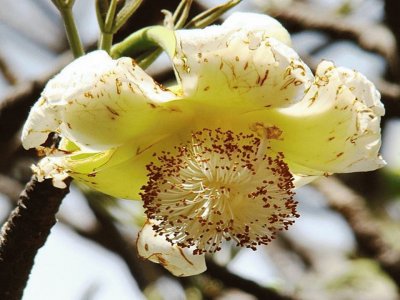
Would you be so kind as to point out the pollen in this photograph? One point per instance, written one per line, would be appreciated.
(219, 186)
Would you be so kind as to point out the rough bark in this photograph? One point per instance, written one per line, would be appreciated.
(25, 231)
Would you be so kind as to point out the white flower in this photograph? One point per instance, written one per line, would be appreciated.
(217, 156)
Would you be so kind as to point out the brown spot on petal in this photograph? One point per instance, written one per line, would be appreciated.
(264, 78)
(161, 259)
(152, 105)
(118, 85)
(184, 256)
(88, 95)
(111, 110)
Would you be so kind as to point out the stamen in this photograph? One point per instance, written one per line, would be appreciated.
(220, 186)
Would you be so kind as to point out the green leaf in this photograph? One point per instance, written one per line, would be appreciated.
(130, 6)
(182, 13)
(211, 15)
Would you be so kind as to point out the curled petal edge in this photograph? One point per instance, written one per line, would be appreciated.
(180, 262)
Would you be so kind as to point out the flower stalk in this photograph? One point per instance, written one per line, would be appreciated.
(143, 40)
(71, 30)
(106, 35)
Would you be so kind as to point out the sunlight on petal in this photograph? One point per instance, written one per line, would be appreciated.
(99, 103)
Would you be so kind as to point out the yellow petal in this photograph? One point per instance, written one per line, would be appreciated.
(179, 261)
(99, 103)
(334, 129)
(119, 172)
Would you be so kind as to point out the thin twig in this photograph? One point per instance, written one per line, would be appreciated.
(369, 238)
(65, 9)
(25, 231)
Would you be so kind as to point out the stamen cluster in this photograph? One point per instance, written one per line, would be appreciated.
(219, 186)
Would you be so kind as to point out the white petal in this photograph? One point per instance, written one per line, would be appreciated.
(300, 180)
(51, 168)
(98, 103)
(230, 67)
(180, 262)
(42, 121)
(254, 22)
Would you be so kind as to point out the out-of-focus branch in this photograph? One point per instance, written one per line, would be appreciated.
(390, 91)
(392, 8)
(390, 97)
(231, 280)
(10, 187)
(369, 238)
(6, 72)
(107, 235)
(25, 231)
(15, 107)
(371, 37)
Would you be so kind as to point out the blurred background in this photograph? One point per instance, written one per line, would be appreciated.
(345, 245)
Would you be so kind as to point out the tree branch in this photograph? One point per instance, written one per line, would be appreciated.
(25, 231)
(9, 76)
(15, 107)
(369, 36)
(231, 280)
(369, 238)
(392, 8)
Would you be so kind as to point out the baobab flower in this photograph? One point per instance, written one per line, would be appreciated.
(217, 155)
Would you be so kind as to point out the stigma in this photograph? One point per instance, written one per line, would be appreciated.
(220, 185)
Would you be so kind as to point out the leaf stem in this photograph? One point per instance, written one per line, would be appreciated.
(145, 39)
